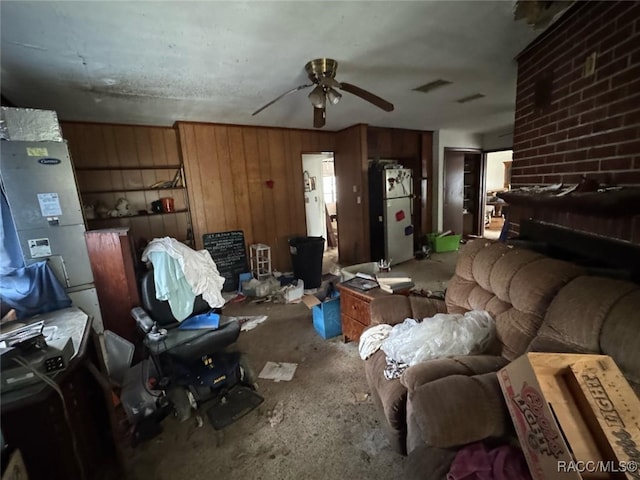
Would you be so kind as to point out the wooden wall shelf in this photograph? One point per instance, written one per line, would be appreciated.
(131, 167)
(88, 192)
(124, 217)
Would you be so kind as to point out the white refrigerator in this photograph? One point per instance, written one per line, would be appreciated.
(391, 201)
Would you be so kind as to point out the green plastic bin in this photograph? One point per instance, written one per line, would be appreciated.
(449, 243)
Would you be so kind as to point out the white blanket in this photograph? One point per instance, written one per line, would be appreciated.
(371, 339)
(199, 269)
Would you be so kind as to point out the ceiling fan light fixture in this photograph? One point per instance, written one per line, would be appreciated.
(333, 95)
(317, 97)
(321, 73)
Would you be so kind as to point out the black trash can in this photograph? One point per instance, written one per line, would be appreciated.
(306, 256)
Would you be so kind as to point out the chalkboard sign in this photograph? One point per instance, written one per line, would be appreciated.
(230, 255)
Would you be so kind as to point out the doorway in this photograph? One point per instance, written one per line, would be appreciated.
(497, 179)
(320, 204)
(463, 191)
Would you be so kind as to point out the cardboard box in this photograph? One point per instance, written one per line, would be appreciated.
(575, 415)
(326, 315)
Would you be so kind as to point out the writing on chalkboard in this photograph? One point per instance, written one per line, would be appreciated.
(229, 253)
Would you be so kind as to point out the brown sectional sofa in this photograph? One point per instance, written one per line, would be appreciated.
(539, 304)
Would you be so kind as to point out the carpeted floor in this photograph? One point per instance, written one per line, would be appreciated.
(320, 425)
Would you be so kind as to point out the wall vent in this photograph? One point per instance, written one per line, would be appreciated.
(470, 98)
(427, 87)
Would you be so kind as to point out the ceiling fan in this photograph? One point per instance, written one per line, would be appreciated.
(322, 72)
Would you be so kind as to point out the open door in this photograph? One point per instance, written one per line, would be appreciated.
(320, 200)
(463, 208)
(497, 179)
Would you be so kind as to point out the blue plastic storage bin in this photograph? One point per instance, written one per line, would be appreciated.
(326, 317)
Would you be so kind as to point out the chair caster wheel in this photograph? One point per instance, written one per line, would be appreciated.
(182, 402)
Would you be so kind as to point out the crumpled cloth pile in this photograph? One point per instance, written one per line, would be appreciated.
(476, 462)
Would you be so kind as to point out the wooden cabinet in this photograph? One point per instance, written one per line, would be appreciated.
(102, 187)
(71, 441)
(111, 255)
(355, 310)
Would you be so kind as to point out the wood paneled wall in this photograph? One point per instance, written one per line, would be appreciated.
(351, 166)
(250, 179)
(154, 149)
(228, 169)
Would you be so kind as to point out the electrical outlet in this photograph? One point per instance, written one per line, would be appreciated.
(590, 64)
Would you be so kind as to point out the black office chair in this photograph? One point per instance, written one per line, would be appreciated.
(196, 366)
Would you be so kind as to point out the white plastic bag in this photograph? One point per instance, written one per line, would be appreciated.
(443, 335)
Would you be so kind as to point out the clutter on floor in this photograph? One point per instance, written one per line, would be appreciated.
(278, 371)
(249, 323)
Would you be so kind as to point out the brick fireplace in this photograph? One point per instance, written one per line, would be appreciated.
(578, 115)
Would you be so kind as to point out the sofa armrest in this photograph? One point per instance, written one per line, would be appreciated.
(459, 409)
(431, 370)
(393, 309)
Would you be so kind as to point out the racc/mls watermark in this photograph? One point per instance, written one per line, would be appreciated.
(598, 467)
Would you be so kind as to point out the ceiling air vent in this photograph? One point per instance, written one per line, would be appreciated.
(470, 98)
(427, 87)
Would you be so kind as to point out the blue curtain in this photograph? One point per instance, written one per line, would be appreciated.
(29, 289)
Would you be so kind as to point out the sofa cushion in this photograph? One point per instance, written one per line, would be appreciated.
(459, 409)
(620, 336)
(484, 261)
(537, 283)
(466, 255)
(515, 330)
(479, 297)
(457, 296)
(576, 316)
(506, 267)
(495, 306)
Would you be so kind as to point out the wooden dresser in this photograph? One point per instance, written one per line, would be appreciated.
(355, 310)
(111, 254)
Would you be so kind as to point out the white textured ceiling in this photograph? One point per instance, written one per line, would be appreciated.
(157, 62)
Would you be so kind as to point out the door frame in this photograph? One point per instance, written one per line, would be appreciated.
(481, 183)
(332, 154)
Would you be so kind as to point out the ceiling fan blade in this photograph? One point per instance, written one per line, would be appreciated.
(319, 117)
(293, 90)
(368, 96)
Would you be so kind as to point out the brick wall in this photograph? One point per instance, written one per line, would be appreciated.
(568, 124)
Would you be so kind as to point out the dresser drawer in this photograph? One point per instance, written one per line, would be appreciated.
(351, 328)
(356, 308)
